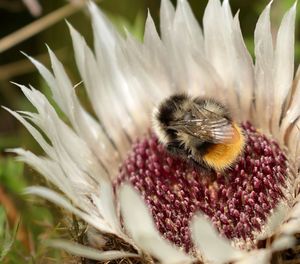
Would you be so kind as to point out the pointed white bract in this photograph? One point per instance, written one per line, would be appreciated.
(114, 74)
(70, 164)
(139, 223)
(276, 218)
(90, 253)
(274, 71)
(291, 115)
(283, 243)
(283, 66)
(90, 218)
(167, 13)
(291, 224)
(264, 56)
(211, 245)
(124, 80)
(106, 204)
(256, 257)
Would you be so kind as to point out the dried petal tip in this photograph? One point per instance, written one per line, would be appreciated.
(237, 201)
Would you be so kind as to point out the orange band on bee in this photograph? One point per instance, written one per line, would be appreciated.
(222, 156)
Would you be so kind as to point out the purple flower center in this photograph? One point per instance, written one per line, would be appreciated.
(237, 201)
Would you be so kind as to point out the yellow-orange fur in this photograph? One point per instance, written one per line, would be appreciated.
(222, 156)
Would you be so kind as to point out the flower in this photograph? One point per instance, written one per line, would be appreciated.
(237, 200)
(254, 205)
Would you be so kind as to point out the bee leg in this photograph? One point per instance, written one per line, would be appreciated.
(200, 166)
(196, 163)
(176, 150)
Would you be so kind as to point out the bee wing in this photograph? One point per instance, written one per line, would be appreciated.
(211, 131)
(221, 132)
(206, 125)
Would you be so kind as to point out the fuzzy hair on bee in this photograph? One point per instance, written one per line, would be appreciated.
(198, 130)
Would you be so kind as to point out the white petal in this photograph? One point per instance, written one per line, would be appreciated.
(48, 76)
(295, 211)
(292, 113)
(211, 30)
(82, 55)
(64, 84)
(245, 68)
(151, 38)
(78, 189)
(105, 36)
(34, 132)
(186, 51)
(220, 48)
(186, 26)
(71, 151)
(187, 66)
(109, 75)
(293, 141)
(62, 202)
(211, 245)
(88, 252)
(284, 65)
(153, 65)
(275, 220)
(78, 46)
(283, 242)
(72, 167)
(167, 13)
(83, 123)
(140, 225)
(215, 46)
(256, 257)
(50, 170)
(106, 205)
(291, 227)
(263, 70)
(144, 68)
(111, 119)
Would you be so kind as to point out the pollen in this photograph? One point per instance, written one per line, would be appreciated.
(237, 200)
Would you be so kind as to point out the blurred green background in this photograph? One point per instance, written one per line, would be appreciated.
(25, 222)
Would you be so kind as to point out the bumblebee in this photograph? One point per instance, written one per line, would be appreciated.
(198, 130)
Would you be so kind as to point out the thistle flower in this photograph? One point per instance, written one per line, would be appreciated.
(114, 174)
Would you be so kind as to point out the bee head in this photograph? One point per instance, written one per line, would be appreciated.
(173, 109)
(181, 117)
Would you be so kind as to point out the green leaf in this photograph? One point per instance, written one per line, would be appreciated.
(11, 175)
(8, 238)
(2, 221)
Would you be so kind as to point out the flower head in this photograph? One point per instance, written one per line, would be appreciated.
(122, 182)
(238, 200)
